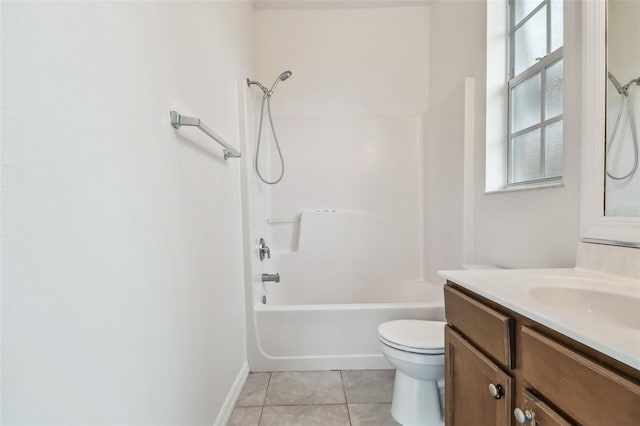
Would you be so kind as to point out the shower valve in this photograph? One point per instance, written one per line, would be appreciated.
(263, 250)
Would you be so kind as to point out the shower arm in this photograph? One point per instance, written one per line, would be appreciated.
(267, 92)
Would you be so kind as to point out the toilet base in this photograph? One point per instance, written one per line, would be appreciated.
(416, 402)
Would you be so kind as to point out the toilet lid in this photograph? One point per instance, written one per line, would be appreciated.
(424, 337)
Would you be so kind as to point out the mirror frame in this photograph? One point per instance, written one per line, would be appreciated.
(595, 226)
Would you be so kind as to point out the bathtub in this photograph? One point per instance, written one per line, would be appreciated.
(292, 333)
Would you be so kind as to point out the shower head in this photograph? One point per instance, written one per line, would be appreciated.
(282, 77)
(285, 75)
(268, 92)
(625, 88)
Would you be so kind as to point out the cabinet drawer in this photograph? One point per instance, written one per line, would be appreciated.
(585, 390)
(489, 329)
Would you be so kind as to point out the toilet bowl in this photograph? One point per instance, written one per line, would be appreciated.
(416, 349)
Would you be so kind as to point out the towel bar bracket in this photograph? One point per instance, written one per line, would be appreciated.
(178, 120)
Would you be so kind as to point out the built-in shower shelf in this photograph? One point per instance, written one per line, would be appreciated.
(275, 220)
(298, 217)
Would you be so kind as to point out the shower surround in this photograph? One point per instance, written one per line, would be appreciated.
(345, 224)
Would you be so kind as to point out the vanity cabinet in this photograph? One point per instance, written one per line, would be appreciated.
(504, 369)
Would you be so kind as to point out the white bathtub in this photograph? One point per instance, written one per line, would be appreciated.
(293, 334)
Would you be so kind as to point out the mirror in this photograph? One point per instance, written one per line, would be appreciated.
(620, 226)
(622, 181)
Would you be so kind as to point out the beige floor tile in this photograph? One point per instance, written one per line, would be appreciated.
(368, 386)
(371, 415)
(305, 415)
(305, 387)
(254, 390)
(245, 416)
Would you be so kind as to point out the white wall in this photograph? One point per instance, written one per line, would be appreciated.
(122, 293)
(456, 50)
(537, 228)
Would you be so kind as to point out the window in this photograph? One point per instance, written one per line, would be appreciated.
(535, 87)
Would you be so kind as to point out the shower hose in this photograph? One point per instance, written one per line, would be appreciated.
(624, 100)
(267, 99)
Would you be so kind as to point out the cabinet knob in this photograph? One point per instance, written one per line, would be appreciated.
(522, 416)
(496, 391)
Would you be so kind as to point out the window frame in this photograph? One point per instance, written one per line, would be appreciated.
(513, 81)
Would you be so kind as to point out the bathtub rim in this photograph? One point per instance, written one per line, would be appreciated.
(260, 307)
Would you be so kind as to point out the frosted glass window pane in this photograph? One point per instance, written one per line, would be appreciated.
(554, 90)
(524, 7)
(525, 103)
(557, 29)
(526, 157)
(553, 150)
(530, 41)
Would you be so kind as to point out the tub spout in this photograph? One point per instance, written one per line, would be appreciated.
(271, 277)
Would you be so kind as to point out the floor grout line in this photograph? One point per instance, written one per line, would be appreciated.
(344, 391)
(266, 391)
(265, 397)
(260, 417)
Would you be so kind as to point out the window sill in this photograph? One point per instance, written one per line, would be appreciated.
(519, 188)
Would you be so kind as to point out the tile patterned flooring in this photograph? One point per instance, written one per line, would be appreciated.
(316, 398)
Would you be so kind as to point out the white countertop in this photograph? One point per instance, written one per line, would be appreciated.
(601, 319)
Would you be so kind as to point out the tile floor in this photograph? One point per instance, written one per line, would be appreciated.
(310, 398)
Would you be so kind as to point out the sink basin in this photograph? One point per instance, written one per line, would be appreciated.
(614, 308)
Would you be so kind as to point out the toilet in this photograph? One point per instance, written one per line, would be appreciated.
(416, 349)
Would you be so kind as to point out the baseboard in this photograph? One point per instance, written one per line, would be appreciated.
(232, 396)
(263, 363)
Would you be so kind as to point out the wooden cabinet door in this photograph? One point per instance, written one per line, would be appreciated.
(468, 374)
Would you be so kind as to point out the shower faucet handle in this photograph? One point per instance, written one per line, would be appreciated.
(263, 250)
